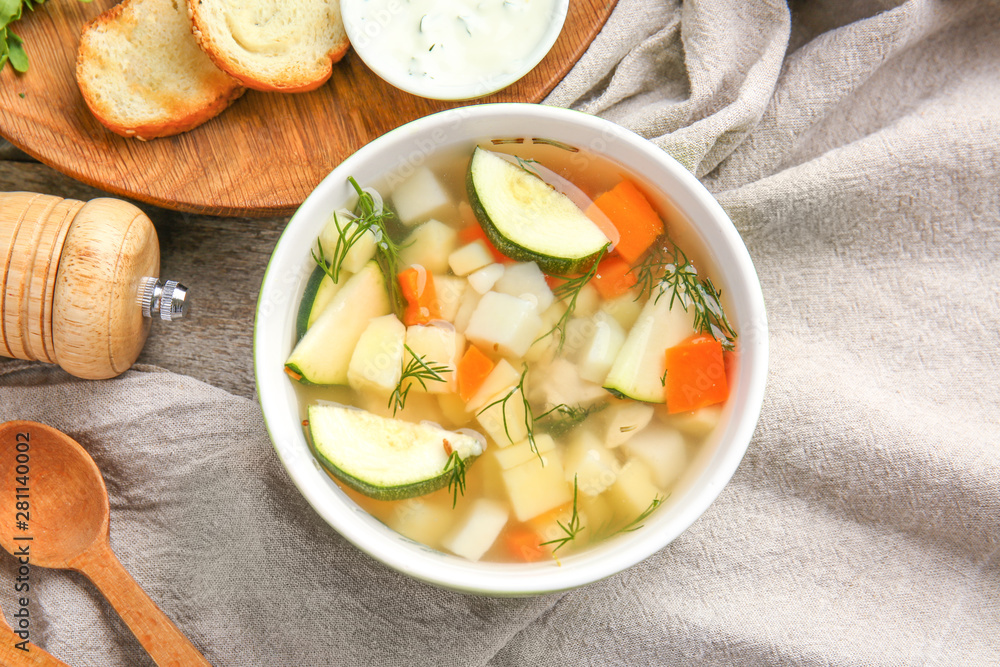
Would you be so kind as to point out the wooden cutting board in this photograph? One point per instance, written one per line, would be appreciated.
(260, 157)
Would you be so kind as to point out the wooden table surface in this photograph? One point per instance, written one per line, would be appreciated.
(221, 260)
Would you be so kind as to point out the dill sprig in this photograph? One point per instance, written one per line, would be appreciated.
(562, 418)
(668, 270)
(571, 528)
(525, 164)
(456, 481)
(529, 419)
(368, 220)
(570, 289)
(414, 370)
(636, 523)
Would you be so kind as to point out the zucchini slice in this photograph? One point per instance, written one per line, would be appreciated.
(383, 458)
(319, 292)
(637, 371)
(324, 353)
(528, 220)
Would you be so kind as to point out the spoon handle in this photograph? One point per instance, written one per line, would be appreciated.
(158, 635)
(10, 656)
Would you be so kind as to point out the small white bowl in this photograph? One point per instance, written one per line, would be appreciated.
(366, 25)
(406, 148)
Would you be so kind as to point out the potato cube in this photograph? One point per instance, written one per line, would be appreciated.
(562, 384)
(470, 257)
(376, 363)
(429, 246)
(537, 486)
(663, 450)
(420, 197)
(504, 324)
(441, 346)
(600, 348)
(593, 465)
(504, 421)
(697, 423)
(623, 420)
(526, 281)
(501, 380)
(466, 306)
(478, 530)
(482, 280)
(515, 455)
(633, 492)
(625, 309)
(449, 290)
(421, 520)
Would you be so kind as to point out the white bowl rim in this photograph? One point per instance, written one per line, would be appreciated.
(500, 579)
(448, 92)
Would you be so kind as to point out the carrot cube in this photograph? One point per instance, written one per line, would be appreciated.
(696, 374)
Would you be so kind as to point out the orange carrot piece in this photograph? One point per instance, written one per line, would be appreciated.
(524, 544)
(472, 370)
(417, 286)
(614, 277)
(637, 223)
(696, 374)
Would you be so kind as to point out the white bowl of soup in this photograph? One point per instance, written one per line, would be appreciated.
(510, 349)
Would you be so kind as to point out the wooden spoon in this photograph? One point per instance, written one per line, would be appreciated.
(67, 527)
(10, 656)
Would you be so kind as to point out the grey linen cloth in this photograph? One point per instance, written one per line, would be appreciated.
(857, 148)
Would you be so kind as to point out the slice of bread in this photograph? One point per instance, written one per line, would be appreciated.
(286, 46)
(142, 74)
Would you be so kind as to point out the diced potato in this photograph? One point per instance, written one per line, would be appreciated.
(625, 309)
(361, 251)
(470, 257)
(449, 290)
(600, 348)
(545, 347)
(419, 407)
(526, 281)
(504, 324)
(489, 474)
(623, 420)
(578, 331)
(454, 409)
(697, 423)
(421, 520)
(429, 246)
(663, 450)
(593, 465)
(561, 384)
(501, 379)
(482, 280)
(478, 530)
(534, 488)
(420, 197)
(588, 301)
(437, 345)
(504, 421)
(515, 455)
(633, 492)
(466, 306)
(600, 515)
(376, 363)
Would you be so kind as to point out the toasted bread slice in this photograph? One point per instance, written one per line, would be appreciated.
(286, 46)
(142, 74)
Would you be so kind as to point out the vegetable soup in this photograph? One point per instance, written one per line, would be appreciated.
(508, 353)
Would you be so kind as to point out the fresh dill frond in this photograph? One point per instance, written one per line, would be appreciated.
(529, 419)
(414, 370)
(570, 290)
(667, 269)
(571, 529)
(562, 418)
(456, 481)
(636, 523)
(369, 220)
(525, 164)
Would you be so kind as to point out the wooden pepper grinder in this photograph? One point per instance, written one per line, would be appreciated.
(80, 283)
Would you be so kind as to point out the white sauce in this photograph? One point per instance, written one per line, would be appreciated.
(454, 43)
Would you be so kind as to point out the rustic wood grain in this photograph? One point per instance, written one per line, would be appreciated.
(260, 157)
(222, 260)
